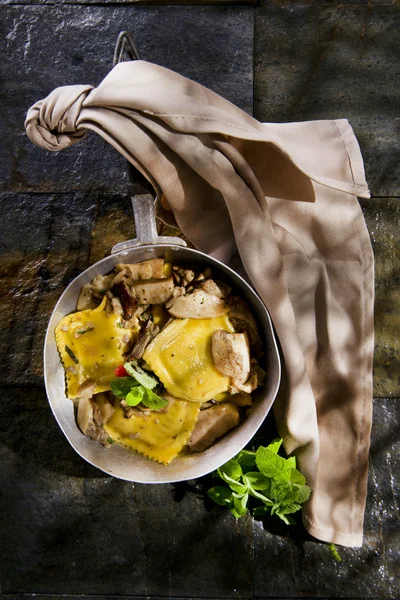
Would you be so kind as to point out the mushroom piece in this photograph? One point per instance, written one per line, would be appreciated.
(128, 300)
(86, 299)
(216, 288)
(86, 389)
(101, 284)
(91, 418)
(154, 291)
(198, 305)
(146, 335)
(231, 354)
(243, 321)
(148, 269)
(212, 424)
(248, 386)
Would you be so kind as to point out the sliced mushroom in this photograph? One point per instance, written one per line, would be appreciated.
(86, 389)
(117, 306)
(184, 276)
(90, 421)
(148, 269)
(216, 288)
(243, 321)
(102, 283)
(231, 354)
(154, 291)
(128, 300)
(147, 334)
(212, 424)
(86, 299)
(248, 386)
(198, 305)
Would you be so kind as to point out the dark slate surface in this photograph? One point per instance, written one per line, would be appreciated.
(71, 529)
(67, 530)
(321, 62)
(213, 45)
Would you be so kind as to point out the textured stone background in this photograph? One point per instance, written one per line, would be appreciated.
(67, 529)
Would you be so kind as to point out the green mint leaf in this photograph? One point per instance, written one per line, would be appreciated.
(285, 519)
(152, 401)
(140, 375)
(246, 458)
(135, 396)
(260, 496)
(71, 354)
(231, 469)
(286, 492)
(239, 508)
(296, 477)
(221, 495)
(269, 463)
(258, 481)
(275, 445)
(121, 386)
(237, 487)
(291, 462)
(302, 493)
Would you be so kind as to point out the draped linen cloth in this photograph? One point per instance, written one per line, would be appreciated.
(279, 201)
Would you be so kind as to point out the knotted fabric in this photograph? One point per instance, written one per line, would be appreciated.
(278, 201)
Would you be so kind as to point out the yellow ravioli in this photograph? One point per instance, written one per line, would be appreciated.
(160, 436)
(91, 345)
(181, 357)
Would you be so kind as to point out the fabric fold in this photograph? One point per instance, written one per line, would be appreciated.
(278, 201)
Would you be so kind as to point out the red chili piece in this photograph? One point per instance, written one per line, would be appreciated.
(120, 371)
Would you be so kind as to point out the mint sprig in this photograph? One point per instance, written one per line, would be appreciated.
(137, 388)
(277, 486)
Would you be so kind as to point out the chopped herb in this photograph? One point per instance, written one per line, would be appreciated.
(84, 330)
(334, 552)
(140, 375)
(71, 354)
(137, 388)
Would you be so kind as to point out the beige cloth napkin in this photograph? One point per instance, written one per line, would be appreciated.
(282, 199)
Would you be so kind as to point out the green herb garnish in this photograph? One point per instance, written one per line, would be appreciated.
(137, 388)
(84, 330)
(277, 486)
(71, 354)
(334, 552)
(140, 375)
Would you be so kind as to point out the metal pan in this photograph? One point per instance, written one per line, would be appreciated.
(119, 461)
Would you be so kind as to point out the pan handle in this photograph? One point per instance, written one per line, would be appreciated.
(143, 203)
(145, 222)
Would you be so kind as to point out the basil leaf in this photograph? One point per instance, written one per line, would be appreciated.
(121, 386)
(135, 396)
(151, 400)
(140, 375)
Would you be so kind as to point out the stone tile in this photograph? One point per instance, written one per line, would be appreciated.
(46, 242)
(382, 216)
(323, 61)
(116, 539)
(288, 565)
(210, 44)
(70, 529)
